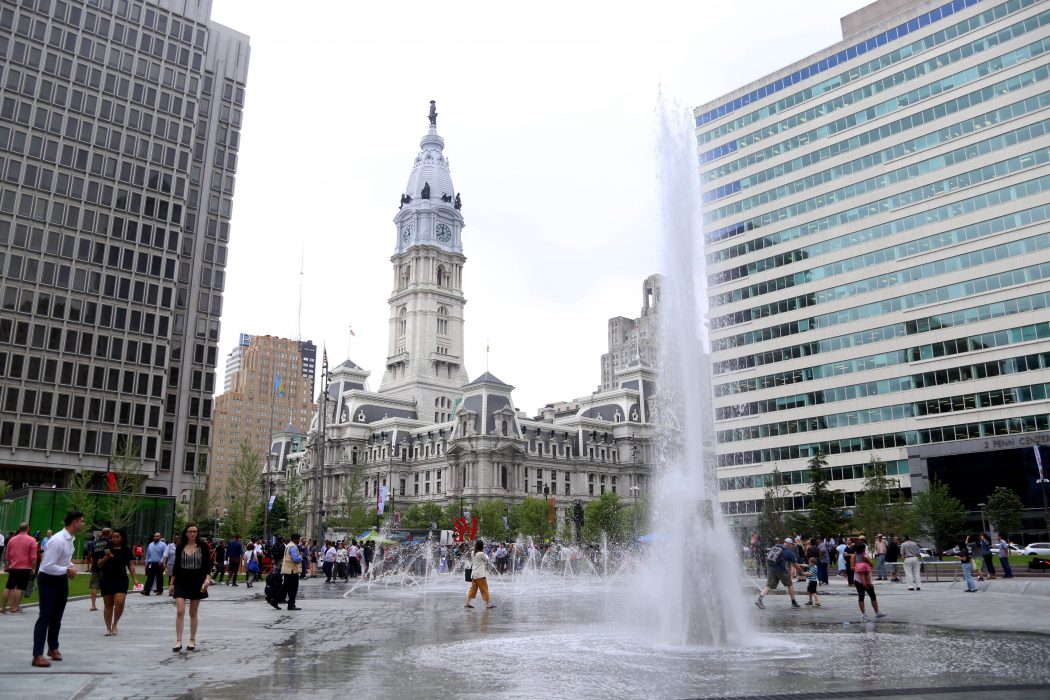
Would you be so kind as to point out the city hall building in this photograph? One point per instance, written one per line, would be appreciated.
(878, 255)
(433, 433)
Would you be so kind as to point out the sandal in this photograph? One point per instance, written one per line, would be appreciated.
(192, 646)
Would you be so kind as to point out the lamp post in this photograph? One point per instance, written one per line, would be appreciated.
(984, 528)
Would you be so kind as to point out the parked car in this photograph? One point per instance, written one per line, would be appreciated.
(926, 553)
(953, 552)
(1011, 549)
(1041, 549)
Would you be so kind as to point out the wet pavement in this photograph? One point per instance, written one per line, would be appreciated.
(551, 638)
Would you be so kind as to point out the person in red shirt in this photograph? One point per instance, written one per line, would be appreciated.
(21, 555)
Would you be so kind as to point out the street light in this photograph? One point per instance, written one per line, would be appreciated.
(984, 528)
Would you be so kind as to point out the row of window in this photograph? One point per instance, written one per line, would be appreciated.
(930, 66)
(844, 55)
(867, 443)
(876, 64)
(945, 348)
(908, 197)
(964, 373)
(960, 290)
(875, 162)
(918, 273)
(879, 414)
(974, 314)
(794, 502)
(45, 404)
(74, 440)
(795, 477)
(996, 91)
(84, 343)
(936, 241)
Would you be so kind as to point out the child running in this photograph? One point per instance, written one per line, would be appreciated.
(811, 587)
(863, 583)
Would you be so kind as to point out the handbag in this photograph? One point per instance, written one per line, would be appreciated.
(466, 575)
(253, 565)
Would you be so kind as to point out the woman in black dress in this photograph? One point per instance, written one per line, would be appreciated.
(114, 567)
(189, 581)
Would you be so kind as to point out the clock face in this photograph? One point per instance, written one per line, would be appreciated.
(406, 233)
(443, 233)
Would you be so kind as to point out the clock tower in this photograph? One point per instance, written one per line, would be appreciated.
(425, 349)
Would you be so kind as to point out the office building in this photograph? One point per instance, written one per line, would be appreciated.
(268, 394)
(878, 255)
(119, 131)
(234, 359)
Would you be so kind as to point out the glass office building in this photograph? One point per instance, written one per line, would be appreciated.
(877, 236)
(119, 131)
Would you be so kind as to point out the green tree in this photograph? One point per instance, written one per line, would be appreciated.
(1004, 510)
(419, 517)
(295, 498)
(242, 491)
(771, 526)
(639, 517)
(937, 516)
(608, 515)
(531, 517)
(124, 503)
(490, 516)
(825, 515)
(82, 497)
(5, 487)
(351, 495)
(881, 505)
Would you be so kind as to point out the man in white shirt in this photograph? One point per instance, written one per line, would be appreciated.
(53, 577)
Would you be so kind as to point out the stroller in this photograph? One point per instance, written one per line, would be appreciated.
(273, 586)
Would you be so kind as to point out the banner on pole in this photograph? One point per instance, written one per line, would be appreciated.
(1039, 462)
(269, 503)
(382, 500)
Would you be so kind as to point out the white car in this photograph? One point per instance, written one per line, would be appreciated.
(1040, 548)
(1011, 549)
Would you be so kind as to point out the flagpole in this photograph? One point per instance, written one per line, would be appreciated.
(269, 455)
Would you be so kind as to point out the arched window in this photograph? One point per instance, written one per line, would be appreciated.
(441, 275)
(504, 428)
(503, 476)
(402, 322)
(442, 322)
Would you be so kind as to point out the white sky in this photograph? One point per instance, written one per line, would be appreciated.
(548, 114)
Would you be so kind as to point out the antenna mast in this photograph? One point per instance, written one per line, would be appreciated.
(299, 312)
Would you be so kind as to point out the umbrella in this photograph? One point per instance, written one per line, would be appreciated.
(376, 537)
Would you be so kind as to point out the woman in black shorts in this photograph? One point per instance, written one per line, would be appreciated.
(114, 567)
(190, 579)
(862, 581)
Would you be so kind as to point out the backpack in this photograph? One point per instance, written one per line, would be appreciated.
(775, 555)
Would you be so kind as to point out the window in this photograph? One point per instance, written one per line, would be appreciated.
(442, 321)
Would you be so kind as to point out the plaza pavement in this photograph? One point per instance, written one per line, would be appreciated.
(248, 649)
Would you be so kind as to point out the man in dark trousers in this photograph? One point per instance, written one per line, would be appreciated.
(220, 561)
(234, 552)
(291, 566)
(53, 577)
(154, 564)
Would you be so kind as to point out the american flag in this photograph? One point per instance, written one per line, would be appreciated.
(324, 360)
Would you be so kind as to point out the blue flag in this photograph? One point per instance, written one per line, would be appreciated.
(278, 385)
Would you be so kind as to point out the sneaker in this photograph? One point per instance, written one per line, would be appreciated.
(809, 602)
(759, 603)
(865, 618)
(879, 616)
(795, 604)
(911, 589)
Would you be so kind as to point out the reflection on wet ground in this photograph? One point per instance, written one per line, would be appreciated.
(588, 639)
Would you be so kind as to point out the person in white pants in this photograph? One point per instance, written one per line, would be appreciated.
(912, 564)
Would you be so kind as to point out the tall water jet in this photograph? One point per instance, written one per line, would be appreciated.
(698, 591)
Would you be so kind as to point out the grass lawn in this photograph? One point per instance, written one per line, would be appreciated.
(1016, 561)
(78, 586)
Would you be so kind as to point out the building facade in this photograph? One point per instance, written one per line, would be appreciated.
(119, 124)
(632, 339)
(430, 435)
(878, 254)
(234, 360)
(269, 394)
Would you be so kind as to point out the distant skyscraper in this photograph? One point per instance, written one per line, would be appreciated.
(271, 390)
(119, 130)
(233, 360)
(633, 340)
(879, 256)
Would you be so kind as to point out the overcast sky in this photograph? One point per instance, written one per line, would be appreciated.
(548, 114)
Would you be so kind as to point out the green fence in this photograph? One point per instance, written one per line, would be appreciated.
(45, 509)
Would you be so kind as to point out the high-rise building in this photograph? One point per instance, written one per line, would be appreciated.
(119, 131)
(878, 252)
(233, 360)
(633, 340)
(270, 393)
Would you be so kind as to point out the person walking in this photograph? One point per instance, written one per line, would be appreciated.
(115, 565)
(824, 550)
(56, 571)
(327, 557)
(862, 581)
(893, 555)
(95, 553)
(880, 556)
(912, 564)
(1004, 555)
(220, 561)
(20, 556)
(812, 580)
(984, 546)
(782, 563)
(479, 576)
(190, 579)
(342, 559)
(155, 552)
(169, 555)
(234, 554)
(967, 565)
(291, 568)
(251, 564)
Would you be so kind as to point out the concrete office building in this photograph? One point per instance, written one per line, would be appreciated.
(256, 407)
(879, 254)
(119, 130)
(235, 359)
